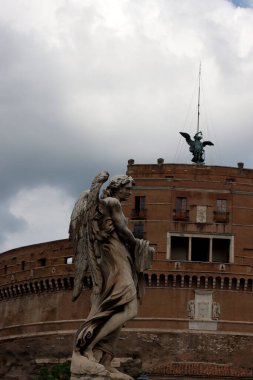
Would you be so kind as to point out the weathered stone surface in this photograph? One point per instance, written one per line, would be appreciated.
(105, 245)
(80, 365)
(110, 376)
(83, 368)
(88, 377)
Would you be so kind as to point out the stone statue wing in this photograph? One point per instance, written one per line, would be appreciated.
(187, 138)
(207, 143)
(82, 233)
(76, 235)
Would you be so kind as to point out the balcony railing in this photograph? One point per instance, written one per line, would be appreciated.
(139, 214)
(221, 216)
(181, 215)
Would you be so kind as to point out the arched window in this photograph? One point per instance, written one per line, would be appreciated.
(162, 280)
(226, 283)
(186, 281)
(249, 285)
(218, 283)
(178, 281)
(202, 282)
(170, 280)
(234, 284)
(154, 280)
(194, 281)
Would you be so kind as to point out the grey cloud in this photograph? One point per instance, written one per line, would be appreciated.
(9, 223)
(96, 97)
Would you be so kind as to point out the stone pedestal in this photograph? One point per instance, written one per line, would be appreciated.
(109, 376)
(84, 369)
(90, 377)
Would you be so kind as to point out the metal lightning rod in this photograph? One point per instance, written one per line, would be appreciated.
(199, 98)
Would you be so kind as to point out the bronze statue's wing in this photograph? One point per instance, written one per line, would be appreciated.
(207, 143)
(81, 233)
(187, 137)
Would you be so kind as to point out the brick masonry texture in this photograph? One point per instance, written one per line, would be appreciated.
(38, 318)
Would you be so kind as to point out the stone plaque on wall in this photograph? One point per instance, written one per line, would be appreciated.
(201, 214)
(202, 311)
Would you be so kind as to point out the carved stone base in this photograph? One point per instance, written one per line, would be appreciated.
(84, 369)
(98, 377)
(109, 376)
(89, 377)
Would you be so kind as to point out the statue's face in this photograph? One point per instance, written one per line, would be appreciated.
(124, 192)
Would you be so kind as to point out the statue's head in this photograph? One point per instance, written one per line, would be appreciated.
(198, 136)
(119, 186)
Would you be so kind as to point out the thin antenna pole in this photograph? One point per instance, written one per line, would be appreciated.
(199, 98)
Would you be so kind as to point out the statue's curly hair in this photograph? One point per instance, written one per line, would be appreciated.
(116, 182)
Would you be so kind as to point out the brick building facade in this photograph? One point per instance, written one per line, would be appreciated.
(200, 219)
(199, 290)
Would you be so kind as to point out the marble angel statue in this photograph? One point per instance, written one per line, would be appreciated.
(106, 248)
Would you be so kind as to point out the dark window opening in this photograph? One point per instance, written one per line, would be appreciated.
(162, 280)
(178, 281)
(138, 231)
(221, 205)
(202, 283)
(194, 281)
(218, 283)
(221, 248)
(154, 280)
(242, 284)
(42, 262)
(181, 204)
(139, 211)
(146, 279)
(200, 249)
(226, 283)
(249, 285)
(23, 265)
(181, 212)
(179, 248)
(186, 281)
(210, 283)
(221, 214)
(170, 281)
(234, 284)
(140, 203)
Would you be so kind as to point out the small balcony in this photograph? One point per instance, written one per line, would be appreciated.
(181, 215)
(221, 216)
(139, 214)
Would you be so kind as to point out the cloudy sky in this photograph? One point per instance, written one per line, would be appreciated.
(87, 84)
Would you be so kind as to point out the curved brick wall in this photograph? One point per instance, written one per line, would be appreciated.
(39, 319)
(36, 285)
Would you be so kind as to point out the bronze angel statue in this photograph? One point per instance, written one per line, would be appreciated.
(196, 146)
(106, 248)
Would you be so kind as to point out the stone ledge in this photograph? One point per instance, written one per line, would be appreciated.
(89, 377)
